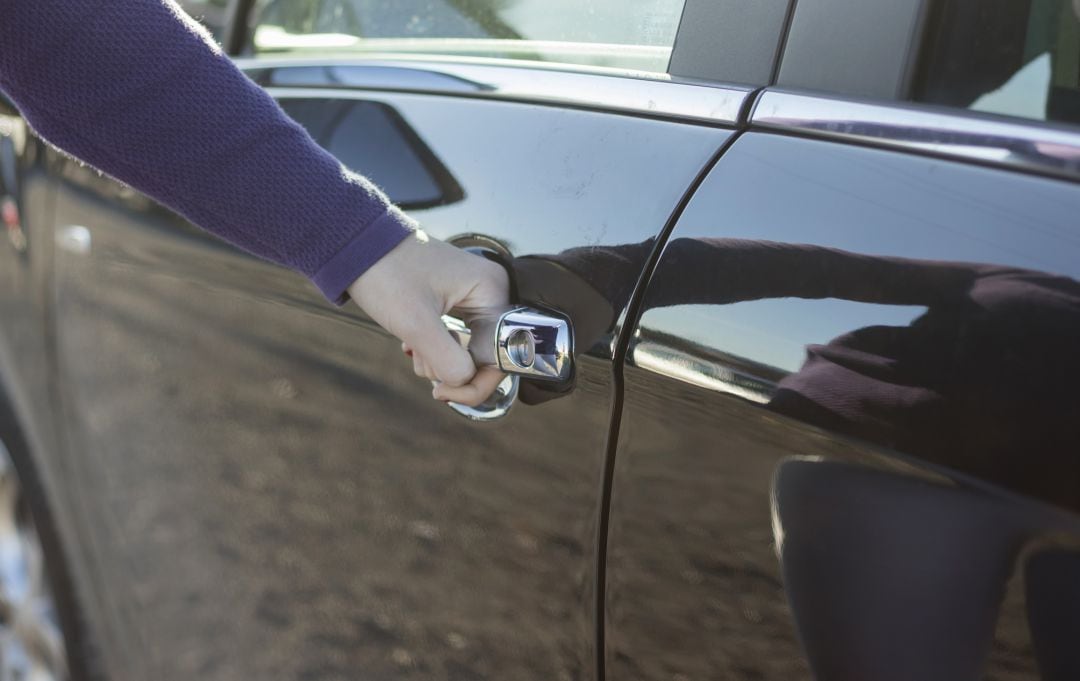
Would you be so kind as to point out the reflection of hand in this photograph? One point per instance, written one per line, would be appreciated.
(408, 291)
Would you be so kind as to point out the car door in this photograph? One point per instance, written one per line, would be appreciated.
(847, 448)
(264, 488)
(25, 212)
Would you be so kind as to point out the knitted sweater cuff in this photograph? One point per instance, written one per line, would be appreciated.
(360, 253)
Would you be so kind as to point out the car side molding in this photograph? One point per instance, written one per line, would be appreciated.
(993, 140)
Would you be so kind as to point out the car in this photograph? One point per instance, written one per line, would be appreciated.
(815, 266)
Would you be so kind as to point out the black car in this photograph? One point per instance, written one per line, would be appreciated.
(821, 265)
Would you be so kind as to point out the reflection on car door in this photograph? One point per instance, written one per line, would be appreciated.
(862, 362)
(268, 491)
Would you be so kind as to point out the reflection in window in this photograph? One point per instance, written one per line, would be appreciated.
(1012, 57)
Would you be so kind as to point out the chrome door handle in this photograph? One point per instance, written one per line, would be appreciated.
(535, 343)
(523, 342)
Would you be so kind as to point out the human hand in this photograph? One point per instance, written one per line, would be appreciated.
(409, 289)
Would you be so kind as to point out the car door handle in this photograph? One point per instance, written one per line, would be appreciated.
(521, 341)
(524, 342)
(535, 344)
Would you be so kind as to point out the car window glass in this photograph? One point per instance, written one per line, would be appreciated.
(1011, 57)
(616, 33)
(210, 13)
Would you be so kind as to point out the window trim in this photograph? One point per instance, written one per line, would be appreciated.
(711, 46)
(610, 90)
(825, 34)
(234, 35)
(998, 141)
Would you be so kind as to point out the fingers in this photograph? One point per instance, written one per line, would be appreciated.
(435, 350)
(473, 391)
(482, 385)
(422, 369)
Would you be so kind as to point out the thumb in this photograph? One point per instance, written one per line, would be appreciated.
(432, 341)
(483, 384)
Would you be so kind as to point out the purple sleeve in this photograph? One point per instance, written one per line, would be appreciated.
(139, 91)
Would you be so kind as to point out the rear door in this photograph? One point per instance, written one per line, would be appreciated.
(848, 443)
(266, 489)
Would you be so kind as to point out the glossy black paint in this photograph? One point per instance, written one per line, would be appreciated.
(252, 484)
(265, 489)
(862, 362)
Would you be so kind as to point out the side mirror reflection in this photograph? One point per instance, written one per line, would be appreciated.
(373, 139)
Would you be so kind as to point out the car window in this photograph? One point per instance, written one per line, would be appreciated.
(210, 13)
(633, 35)
(1012, 57)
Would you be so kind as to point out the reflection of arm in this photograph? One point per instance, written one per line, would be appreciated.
(718, 271)
(611, 270)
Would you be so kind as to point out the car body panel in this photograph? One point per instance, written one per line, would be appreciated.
(269, 492)
(26, 373)
(252, 485)
(805, 381)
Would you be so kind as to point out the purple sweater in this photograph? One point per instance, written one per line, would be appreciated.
(141, 92)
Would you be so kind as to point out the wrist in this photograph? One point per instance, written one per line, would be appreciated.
(366, 249)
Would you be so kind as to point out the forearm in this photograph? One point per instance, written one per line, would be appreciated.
(132, 88)
(721, 271)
